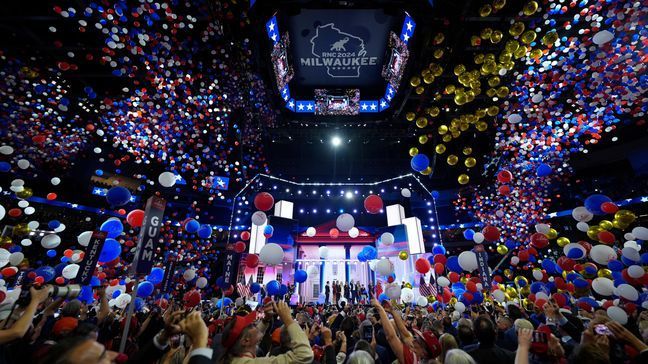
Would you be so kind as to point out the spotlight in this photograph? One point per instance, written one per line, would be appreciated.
(336, 141)
(348, 195)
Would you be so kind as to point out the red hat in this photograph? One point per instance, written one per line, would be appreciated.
(431, 342)
(64, 325)
(241, 322)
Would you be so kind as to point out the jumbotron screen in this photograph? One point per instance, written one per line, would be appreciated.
(339, 62)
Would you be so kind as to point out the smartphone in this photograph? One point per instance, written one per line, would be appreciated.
(367, 333)
(602, 330)
(539, 337)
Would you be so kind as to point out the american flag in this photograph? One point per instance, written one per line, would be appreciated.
(424, 288)
(433, 285)
(244, 289)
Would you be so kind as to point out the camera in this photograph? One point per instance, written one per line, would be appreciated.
(70, 291)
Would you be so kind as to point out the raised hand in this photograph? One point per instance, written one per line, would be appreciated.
(194, 326)
(524, 338)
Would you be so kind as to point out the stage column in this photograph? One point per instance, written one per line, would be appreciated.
(347, 255)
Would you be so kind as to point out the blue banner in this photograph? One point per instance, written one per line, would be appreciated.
(231, 266)
(482, 266)
(89, 262)
(147, 240)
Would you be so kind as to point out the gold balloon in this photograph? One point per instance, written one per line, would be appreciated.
(593, 231)
(499, 4)
(431, 299)
(459, 69)
(502, 91)
(550, 38)
(421, 122)
(433, 111)
(516, 29)
(21, 229)
(413, 151)
(440, 148)
(436, 69)
(447, 138)
(492, 110)
(619, 225)
(479, 58)
(530, 8)
(423, 139)
(467, 150)
(25, 193)
(427, 171)
(481, 126)
(439, 38)
(528, 36)
(6, 240)
(604, 273)
(552, 234)
(403, 255)
(460, 99)
(408, 285)
(562, 241)
(512, 45)
(420, 90)
(442, 130)
(493, 81)
(496, 37)
(463, 179)
(452, 301)
(428, 79)
(520, 52)
(625, 216)
(450, 89)
(475, 41)
(452, 159)
(438, 53)
(502, 249)
(410, 116)
(606, 224)
(470, 162)
(415, 81)
(535, 53)
(485, 10)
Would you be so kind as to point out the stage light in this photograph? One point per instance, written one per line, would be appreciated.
(348, 195)
(336, 141)
(328, 211)
(314, 192)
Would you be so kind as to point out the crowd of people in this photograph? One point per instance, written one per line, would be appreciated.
(49, 330)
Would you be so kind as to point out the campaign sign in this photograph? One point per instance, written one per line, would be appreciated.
(231, 266)
(89, 262)
(339, 48)
(482, 266)
(147, 241)
(168, 274)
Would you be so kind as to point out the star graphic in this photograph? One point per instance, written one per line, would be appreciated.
(644, 199)
(406, 37)
(309, 107)
(409, 26)
(364, 106)
(291, 104)
(300, 106)
(271, 26)
(373, 106)
(383, 104)
(274, 37)
(220, 182)
(389, 97)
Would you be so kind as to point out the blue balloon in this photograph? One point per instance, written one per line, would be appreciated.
(615, 265)
(361, 256)
(156, 276)
(435, 194)
(644, 259)
(86, 294)
(192, 226)
(273, 288)
(549, 266)
(438, 249)
(458, 288)
(371, 252)
(469, 234)
(543, 170)
(58, 270)
(223, 301)
(118, 196)
(220, 282)
(205, 231)
(139, 303)
(536, 287)
(300, 276)
(5, 167)
(268, 230)
(145, 289)
(283, 290)
(54, 224)
(48, 273)
(593, 203)
(420, 162)
(255, 287)
(383, 297)
(51, 253)
(580, 283)
(95, 282)
(478, 298)
(110, 251)
(575, 254)
(453, 264)
(113, 227)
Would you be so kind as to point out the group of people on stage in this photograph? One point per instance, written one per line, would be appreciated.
(353, 292)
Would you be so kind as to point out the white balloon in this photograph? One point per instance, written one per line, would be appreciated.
(602, 37)
(405, 192)
(345, 222)
(537, 97)
(514, 118)
(4, 257)
(603, 286)
(634, 271)
(30, 210)
(407, 295)
(478, 238)
(189, 274)
(422, 301)
(70, 271)
(271, 254)
(23, 164)
(582, 226)
(259, 218)
(167, 179)
(16, 258)
(84, 238)
(640, 232)
(123, 300)
(631, 253)
(468, 261)
(632, 244)
(239, 302)
(537, 275)
(460, 307)
(323, 252)
(582, 214)
(310, 232)
(617, 314)
(354, 232)
(515, 260)
(372, 264)
(2, 212)
(629, 236)
(50, 241)
(60, 228)
(443, 281)
(384, 267)
(6, 150)
(18, 182)
(25, 242)
(499, 213)
(628, 292)
(602, 254)
(393, 291)
(23, 203)
(201, 282)
(387, 238)
(55, 181)
(499, 295)
(33, 225)
(543, 228)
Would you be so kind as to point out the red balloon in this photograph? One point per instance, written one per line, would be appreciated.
(606, 237)
(245, 235)
(15, 212)
(9, 271)
(373, 204)
(540, 302)
(440, 258)
(422, 265)
(51, 196)
(334, 233)
(539, 240)
(504, 190)
(523, 255)
(252, 261)
(39, 280)
(468, 296)
(390, 279)
(491, 233)
(59, 280)
(191, 298)
(263, 201)
(504, 176)
(471, 286)
(438, 268)
(609, 207)
(135, 218)
(454, 277)
(239, 247)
